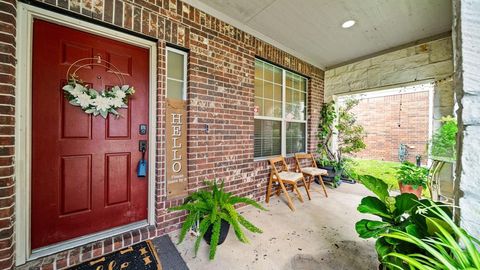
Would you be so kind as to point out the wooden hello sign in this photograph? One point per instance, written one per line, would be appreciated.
(176, 147)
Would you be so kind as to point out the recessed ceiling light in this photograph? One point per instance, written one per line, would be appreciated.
(348, 24)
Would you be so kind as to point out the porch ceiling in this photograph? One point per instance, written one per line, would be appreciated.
(311, 29)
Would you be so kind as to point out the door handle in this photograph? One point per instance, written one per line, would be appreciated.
(142, 146)
(142, 164)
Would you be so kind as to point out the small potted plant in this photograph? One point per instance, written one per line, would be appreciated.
(412, 178)
(214, 211)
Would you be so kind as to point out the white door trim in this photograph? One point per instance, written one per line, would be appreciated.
(23, 104)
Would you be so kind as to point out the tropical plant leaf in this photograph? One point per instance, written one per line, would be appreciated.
(404, 203)
(450, 248)
(371, 228)
(412, 229)
(414, 240)
(375, 185)
(383, 248)
(410, 261)
(432, 228)
(374, 206)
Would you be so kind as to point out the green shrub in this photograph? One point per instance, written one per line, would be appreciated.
(444, 140)
(351, 135)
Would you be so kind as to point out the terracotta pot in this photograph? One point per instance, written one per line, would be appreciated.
(410, 189)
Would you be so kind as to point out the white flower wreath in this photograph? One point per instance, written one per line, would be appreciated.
(95, 102)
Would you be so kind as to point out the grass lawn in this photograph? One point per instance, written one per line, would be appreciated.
(384, 170)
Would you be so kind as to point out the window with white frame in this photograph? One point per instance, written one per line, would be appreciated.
(176, 74)
(280, 111)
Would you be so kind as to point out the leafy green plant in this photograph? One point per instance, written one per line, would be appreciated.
(444, 140)
(343, 169)
(347, 165)
(410, 174)
(324, 162)
(210, 207)
(397, 213)
(340, 168)
(450, 248)
(325, 131)
(350, 134)
(350, 137)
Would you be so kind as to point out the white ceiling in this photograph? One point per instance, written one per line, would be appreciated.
(311, 29)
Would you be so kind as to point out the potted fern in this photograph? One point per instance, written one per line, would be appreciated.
(215, 212)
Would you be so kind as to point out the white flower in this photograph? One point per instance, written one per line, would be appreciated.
(84, 100)
(422, 210)
(117, 102)
(120, 94)
(78, 90)
(102, 103)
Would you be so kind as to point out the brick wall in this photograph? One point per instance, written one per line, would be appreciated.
(7, 122)
(419, 63)
(387, 126)
(220, 93)
(429, 61)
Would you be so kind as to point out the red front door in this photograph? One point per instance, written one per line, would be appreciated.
(84, 177)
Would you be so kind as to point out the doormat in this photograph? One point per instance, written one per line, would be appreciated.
(141, 256)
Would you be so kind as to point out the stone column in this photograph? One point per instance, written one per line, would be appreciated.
(467, 86)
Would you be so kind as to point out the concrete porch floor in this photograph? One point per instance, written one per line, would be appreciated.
(320, 234)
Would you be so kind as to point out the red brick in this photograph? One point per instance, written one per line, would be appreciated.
(383, 133)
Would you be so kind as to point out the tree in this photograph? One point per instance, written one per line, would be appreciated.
(350, 134)
(444, 140)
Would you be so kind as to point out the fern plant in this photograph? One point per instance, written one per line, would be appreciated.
(210, 207)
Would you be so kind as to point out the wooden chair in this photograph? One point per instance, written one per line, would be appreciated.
(284, 177)
(311, 170)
